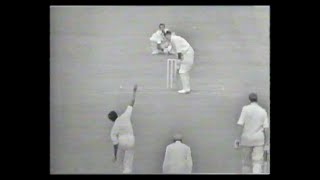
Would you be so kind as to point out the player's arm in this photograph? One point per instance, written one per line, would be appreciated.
(189, 159)
(134, 95)
(179, 48)
(266, 131)
(240, 124)
(266, 140)
(239, 130)
(165, 165)
(266, 135)
(182, 46)
(115, 150)
(179, 52)
(115, 141)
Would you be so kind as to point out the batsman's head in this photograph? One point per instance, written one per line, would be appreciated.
(253, 97)
(168, 35)
(162, 26)
(112, 116)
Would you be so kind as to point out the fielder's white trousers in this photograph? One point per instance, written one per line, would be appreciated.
(252, 159)
(126, 145)
(185, 67)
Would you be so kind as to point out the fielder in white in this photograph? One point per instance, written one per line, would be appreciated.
(178, 158)
(158, 41)
(122, 135)
(253, 137)
(186, 55)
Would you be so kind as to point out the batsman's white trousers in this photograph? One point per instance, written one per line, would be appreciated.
(126, 144)
(252, 159)
(187, 62)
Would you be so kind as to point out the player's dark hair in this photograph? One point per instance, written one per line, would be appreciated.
(167, 33)
(161, 24)
(253, 97)
(112, 116)
(177, 140)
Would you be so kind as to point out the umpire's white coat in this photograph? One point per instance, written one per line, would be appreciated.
(177, 159)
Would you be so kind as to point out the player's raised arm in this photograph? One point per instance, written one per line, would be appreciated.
(134, 95)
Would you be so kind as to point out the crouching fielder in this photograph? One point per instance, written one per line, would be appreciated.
(178, 158)
(186, 55)
(157, 39)
(122, 135)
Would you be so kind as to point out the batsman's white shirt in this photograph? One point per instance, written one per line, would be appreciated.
(254, 119)
(182, 46)
(177, 159)
(122, 131)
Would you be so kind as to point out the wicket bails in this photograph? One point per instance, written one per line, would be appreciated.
(171, 72)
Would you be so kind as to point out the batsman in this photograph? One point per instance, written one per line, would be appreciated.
(186, 55)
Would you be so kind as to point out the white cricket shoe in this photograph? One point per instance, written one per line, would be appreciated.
(183, 91)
